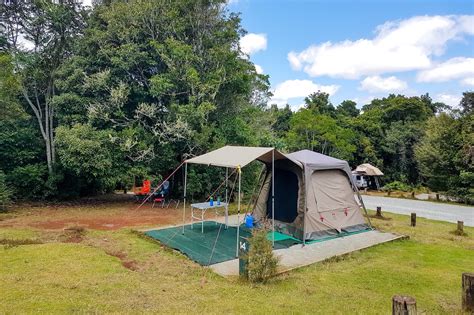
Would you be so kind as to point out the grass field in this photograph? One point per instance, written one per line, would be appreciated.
(95, 270)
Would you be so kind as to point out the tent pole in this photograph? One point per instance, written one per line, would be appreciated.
(362, 202)
(305, 208)
(238, 214)
(184, 195)
(273, 197)
(226, 200)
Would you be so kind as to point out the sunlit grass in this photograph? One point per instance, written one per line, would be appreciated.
(57, 277)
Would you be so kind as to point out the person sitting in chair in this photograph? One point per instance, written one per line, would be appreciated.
(161, 195)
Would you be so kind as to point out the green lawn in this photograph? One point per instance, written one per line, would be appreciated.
(59, 277)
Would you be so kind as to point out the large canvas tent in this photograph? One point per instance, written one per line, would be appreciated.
(318, 183)
(294, 182)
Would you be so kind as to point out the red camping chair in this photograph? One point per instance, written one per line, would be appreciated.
(142, 192)
(163, 196)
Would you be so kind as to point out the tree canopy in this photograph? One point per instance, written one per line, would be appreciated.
(95, 99)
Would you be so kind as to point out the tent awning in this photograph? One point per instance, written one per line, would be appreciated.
(235, 156)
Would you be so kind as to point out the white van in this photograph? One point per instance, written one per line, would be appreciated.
(360, 181)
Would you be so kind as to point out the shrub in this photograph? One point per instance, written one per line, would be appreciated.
(261, 262)
(28, 181)
(397, 185)
(5, 192)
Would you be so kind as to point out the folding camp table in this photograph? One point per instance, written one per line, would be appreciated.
(203, 207)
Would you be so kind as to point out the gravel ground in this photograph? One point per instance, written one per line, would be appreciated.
(425, 209)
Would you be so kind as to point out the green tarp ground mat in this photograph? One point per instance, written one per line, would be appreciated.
(198, 246)
(337, 236)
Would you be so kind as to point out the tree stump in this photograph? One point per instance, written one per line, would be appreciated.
(403, 305)
(460, 229)
(468, 292)
(379, 212)
(413, 219)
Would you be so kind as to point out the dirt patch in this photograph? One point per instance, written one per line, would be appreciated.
(114, 221)
(73, 234)
(127, 263)
(130, 264)
(107, 216)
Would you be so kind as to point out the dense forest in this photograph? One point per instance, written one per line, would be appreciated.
(96, 99)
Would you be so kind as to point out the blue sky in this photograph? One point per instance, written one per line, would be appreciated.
(361, 50)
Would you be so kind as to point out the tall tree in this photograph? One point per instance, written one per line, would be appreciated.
(319, 103)
(39, 35)
(467, 103)
(320, 133)
(348, 108)
(395, 125)
(166, 79)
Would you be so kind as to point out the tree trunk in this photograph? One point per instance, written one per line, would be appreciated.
(44, 117)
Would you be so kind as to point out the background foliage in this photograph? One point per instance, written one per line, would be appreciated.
(132, 88)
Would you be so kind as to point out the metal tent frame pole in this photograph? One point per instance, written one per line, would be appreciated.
(273, 197)
(184, 194)
(305, 207)
(238, 214)
(354, 188)
(226, 200)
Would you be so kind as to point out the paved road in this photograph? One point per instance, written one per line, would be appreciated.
(425, 209)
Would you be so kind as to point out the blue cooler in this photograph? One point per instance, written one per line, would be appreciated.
(248, 221)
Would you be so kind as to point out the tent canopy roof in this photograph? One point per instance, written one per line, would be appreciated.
(317, 160)
(313, 161)
(235, 156)
(368, 169)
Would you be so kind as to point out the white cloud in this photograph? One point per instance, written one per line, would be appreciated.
(258, 68)
(397, 46)
(468, 81)
(292, 89)
(252, 43)
(376, 84)
(449, 99)
(454, 68)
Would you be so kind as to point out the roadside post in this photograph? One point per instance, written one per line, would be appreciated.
(403, 305)
(379, 212)
(468, 292)
(460, 229)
